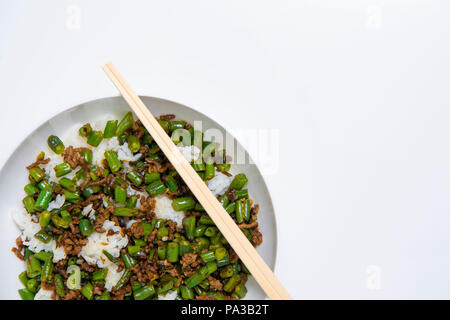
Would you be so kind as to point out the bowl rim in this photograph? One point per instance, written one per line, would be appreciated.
(272, 264)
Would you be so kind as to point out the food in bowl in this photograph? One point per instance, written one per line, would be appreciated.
(108, 217)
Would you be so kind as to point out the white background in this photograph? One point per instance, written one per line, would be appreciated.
(358, 89)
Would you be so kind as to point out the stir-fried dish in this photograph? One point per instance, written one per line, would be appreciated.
(108, 217)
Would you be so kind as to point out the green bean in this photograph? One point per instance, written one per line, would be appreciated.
(55, 144)
(43, 256)
(23, 278)
(95, 138)
(87, 155)
(231, 284)
(119, 181)
(184, 247)
(120, 195)
(110, 129)
(86, 227)
(209, 169)
(27, 253)
(131, 202)
(172, 251)
(199, 230)
(124, 124)
(212, 267)
(100, 274)
(206, 220)
(199, 207)
(154, 157)
(186, 293)
(43, 184)
(197, 277)
(59, 285)
(154, 149)
(105, 295)
(133, 250)
(60, 222)
(155, 188)
(183, 204)
(189, 226)
(248, 234)
(207, 256)
(174, 125)
(231, 208)
(30, 189)
(208, 150)
(152, 176)
(90, 190)
(224, 200)
(242, 194)
(164, 286)
(113, 161)
(162, 252)
(171, 183)
(140, 242)
(33, 267)
(36, 174)
(62, 169)
(25, 294)
(162, 232)
(133, 144)
(85, 130)
(128, 260)
(88, 291)
(29, 204)
(125, 212)
(197, 140)
(199, 166)
(240, 291)
(201, 243)
(47, 271)
(211, 231)
(242, 210)
(32, 285)
(72, 197)
(147, 139)
(43, 236)
(224, 167)
(135, 178)
(148, 228)
(226, 272)
(68, 184)
(110, 257)
(144, 292)
(181, 135)
(43, 200)
(239, 181)
(164, 124)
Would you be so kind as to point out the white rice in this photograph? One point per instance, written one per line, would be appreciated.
(43, 294)
(190, 153)
(57, 203)
(92, 252)
(171, 295)
(164, 210)
(29, 228)
(220, 183)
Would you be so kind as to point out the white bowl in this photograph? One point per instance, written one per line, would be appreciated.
(13, 177)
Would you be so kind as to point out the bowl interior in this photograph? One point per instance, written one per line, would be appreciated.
(13, 177)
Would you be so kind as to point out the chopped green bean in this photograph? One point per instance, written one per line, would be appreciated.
(110, 129)
(124, 124)
(62, 169)
(55, 144)
(95, 138)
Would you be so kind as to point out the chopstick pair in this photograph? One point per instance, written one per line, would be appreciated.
(236, 238)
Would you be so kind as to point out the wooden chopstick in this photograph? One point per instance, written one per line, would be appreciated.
(236, 238)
